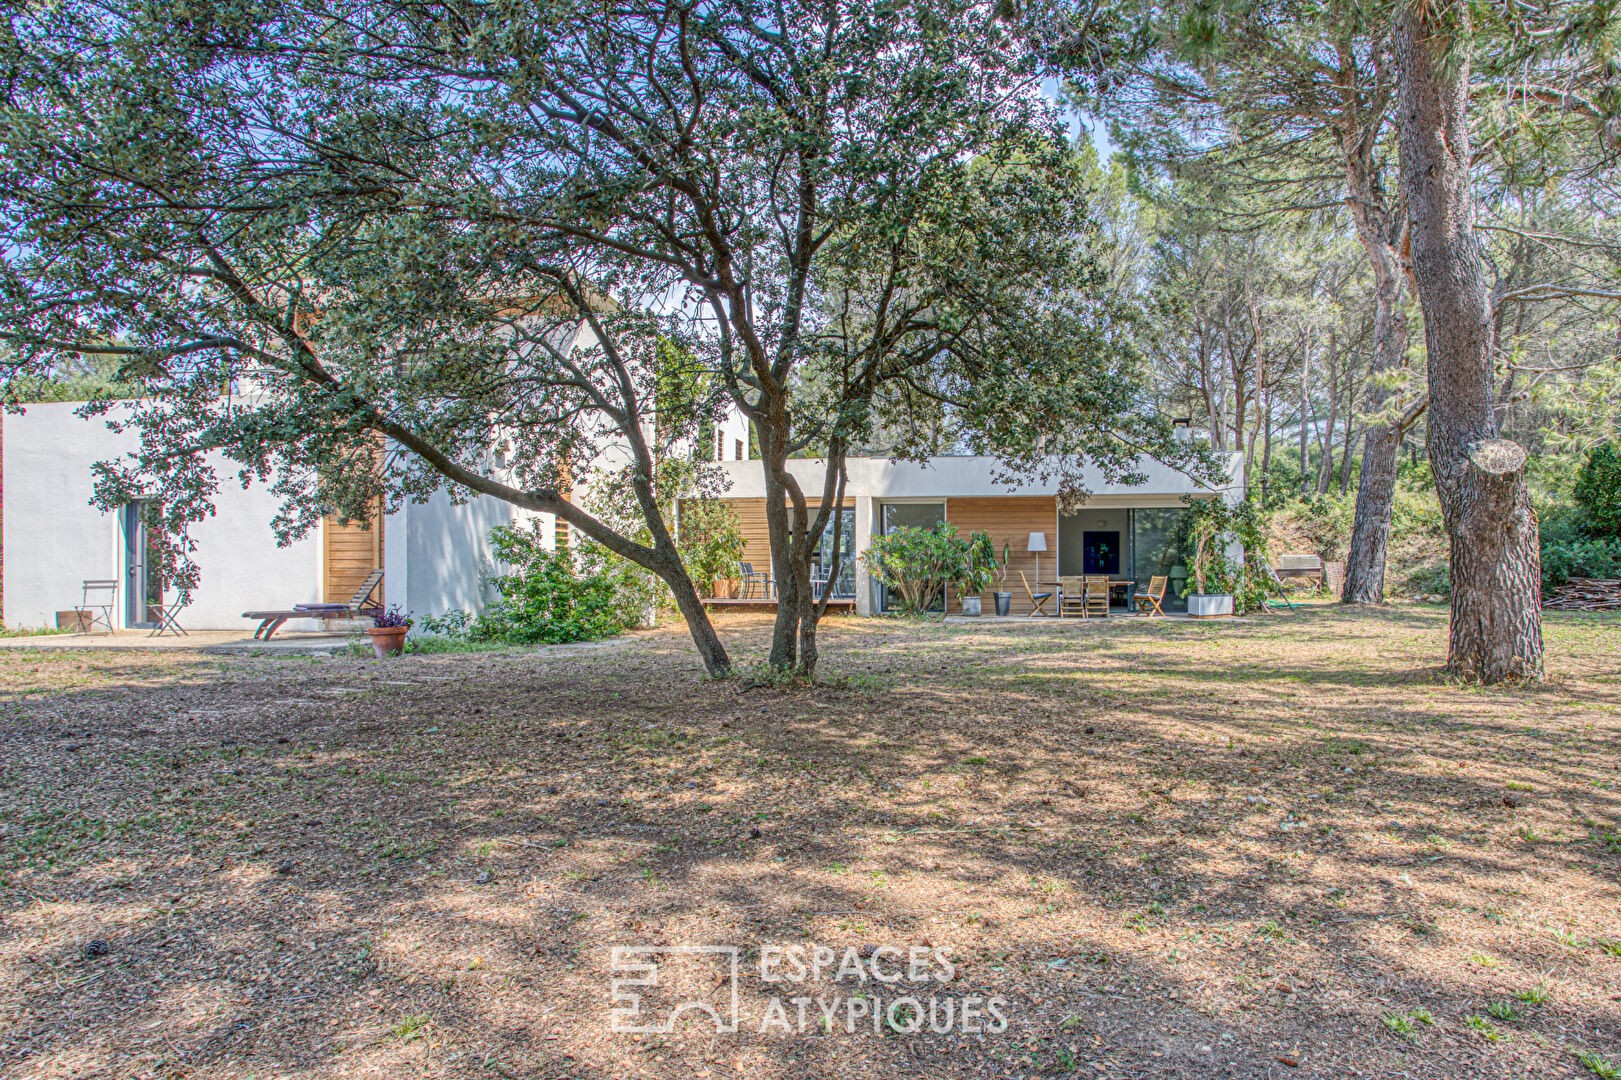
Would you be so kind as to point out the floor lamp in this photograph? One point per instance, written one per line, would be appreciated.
(1036, 545)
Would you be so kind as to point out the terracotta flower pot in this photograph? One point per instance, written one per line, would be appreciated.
(388, 641)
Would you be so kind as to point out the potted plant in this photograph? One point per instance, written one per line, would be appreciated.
(978, 567)
(1004, 599)
(388, 632)
(712, 545)
(1209, 562)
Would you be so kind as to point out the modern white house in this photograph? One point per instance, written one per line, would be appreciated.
(1124, 532)
(436, 556)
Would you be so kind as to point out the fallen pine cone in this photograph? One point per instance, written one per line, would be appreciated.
(1293, 1063)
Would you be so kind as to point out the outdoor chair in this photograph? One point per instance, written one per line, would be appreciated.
(750, 577)
(1097, 597)
(1038, 601)
(1149, 600)
(271, 620)
(167, 618)
(97, 595)
(1071, 596)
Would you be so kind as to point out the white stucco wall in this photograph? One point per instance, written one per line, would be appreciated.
(441, 553)
(54, 539)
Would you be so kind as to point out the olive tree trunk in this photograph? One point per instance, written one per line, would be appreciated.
(1496, 631)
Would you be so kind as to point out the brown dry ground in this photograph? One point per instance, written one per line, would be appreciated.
(1280, 846)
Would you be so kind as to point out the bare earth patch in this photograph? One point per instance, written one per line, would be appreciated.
(1281, 846)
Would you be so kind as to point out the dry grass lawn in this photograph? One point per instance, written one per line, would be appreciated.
(1280, 846)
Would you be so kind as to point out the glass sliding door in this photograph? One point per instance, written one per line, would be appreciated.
(1155, 551)
(845, 587)
(917, 515)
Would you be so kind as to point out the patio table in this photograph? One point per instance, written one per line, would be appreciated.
(1127, 588)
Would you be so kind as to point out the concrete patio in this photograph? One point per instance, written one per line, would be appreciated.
(214, 641)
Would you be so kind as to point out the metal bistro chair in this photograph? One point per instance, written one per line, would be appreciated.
(168, 618)
(97, 595)
(751, 577)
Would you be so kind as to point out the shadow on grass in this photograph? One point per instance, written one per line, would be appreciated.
(1095, 825)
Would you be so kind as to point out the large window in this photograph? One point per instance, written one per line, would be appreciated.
(1154, 550)
(845, 587)
(919, 515)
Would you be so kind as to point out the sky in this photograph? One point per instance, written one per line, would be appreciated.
(1080, 121)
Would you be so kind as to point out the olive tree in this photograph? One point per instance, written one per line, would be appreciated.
(172, 205)
(356, 198)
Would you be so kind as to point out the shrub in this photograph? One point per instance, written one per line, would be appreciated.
(550, 597)
(711, 542)
(1598, 491)
(919, 563)
(1571, 550)
(1582, 557)
(1206, 528)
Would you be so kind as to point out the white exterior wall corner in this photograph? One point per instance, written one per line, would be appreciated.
(437, 555)
(54, 539)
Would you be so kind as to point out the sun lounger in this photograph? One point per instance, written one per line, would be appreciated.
(270, 621)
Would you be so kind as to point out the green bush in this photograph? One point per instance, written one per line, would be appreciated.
(550, 597)
(1205, 530)
(917, 564)
(711, 542)
(1598, 491)
(1570, 549)
(1585, 557)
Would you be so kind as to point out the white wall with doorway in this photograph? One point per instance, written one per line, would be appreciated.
(53, 538)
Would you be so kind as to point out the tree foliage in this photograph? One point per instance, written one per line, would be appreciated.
(1598, 490)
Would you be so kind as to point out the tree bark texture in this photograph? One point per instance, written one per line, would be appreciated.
(1375, 495)
(1496, 631)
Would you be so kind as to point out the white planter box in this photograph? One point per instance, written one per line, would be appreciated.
(1209, 605)
(970, 605)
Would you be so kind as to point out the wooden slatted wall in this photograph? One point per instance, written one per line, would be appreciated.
(756, 537)
(1011, 519)
(350, 552)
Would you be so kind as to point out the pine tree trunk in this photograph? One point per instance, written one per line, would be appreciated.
(1375, 495)
(1305, 394)
(1496, 632)
(1370, 529)
(1325, 472)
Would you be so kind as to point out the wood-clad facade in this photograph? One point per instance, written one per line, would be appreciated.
(1010, 520)
(349, 553)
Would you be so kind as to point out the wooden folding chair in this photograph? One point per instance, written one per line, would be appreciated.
(1038, 601)
(1097, 597)
(1148, 601)
(1071, 596)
